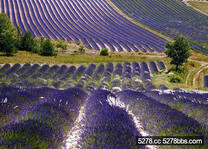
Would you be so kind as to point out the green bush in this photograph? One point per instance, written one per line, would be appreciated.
(81, 49)
(27, 42)
(104, 52)
(179, 70)
(61, 45)
(175, 79)
(47, 49)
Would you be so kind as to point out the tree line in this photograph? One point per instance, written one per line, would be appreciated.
(12, 40)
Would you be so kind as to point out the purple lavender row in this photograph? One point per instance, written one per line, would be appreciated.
(66, 76)
(126, 76)
(201, 98)
(32, 78)
(117, 76)
(46, 124)
(76, 76)
(182, 103)
(153, 67)
(161, 65)
(27, 73)
(51, 71)
(107, 126)
(40, 71)
(4, 68)
(59, 72)
(136, 77)
(16, 103)
(146, 78)
(10, 71)
(106, 78)
(159, 119)
(86, 77)
(20, 71)
(95, 79)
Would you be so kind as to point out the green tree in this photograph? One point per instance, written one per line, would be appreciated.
(179, 51)
(8, 36)
(81, 49)
(47, 48)
(104, 52)
(28, 42)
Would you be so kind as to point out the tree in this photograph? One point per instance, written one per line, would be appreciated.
(81, 49)
(48, 49)
(28, 42)
(8, 35)
(104, 52)
(179, 51)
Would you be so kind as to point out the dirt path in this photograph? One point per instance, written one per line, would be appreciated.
(197, 75)
(192, 71)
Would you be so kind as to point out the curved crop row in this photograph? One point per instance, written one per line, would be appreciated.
(171, 17)
(124, 76)
(94, 23)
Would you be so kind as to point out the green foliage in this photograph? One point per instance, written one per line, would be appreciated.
(8, 36)
(61, 45)
(81, 49)
(47, 49)
(179, 70)
(179, 51)
(28, 42)
(175, 79)
(104, 52)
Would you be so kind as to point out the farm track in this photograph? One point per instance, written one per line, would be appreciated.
(197, 75)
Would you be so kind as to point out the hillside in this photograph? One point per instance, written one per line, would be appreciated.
(171, 17)
(94, 23)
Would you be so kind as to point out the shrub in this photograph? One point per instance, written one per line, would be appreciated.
(47, 49)
(180, 70)
(81, 49)
(61, 45)
(175, 79)
(27, 42)
(104, 52)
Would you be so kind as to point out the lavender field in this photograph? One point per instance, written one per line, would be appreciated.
(171, 17)
(94, 23)
(94, 106)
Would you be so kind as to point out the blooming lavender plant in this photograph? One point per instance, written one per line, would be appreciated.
(107, 126)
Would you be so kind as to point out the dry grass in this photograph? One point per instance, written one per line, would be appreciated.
(66, 58)
(202, 6)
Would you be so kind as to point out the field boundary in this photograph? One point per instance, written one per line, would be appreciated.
(139, 24)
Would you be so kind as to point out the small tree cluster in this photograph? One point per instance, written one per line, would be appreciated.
(12, 40)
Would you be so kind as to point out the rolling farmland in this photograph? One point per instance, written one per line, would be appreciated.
(80, 107)
(94, 23)
(82, 100)
(171, 17)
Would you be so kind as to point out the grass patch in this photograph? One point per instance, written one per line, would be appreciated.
(66, 58)
(202, 6)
